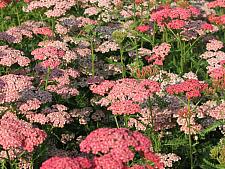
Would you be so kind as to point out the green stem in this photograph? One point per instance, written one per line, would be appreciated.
(189, 134)
(47, 77)
(117, 124)
(92, 59)
(134, 11)
(126, 119)
(121, 61)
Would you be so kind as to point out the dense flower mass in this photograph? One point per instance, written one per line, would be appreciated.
(26, 29)
(12, 86)
(124, 107)
(19, 134)
(9, 56)
(159, 54)
(114, 144)
(66, 162)
(125, 89)
(176, 16)
(112, 84)
(191, 87)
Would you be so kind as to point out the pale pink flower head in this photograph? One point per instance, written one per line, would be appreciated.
(216, 3)
(91, 11)
(10, 56)
(214, 45)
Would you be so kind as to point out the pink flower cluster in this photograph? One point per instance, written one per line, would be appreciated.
(157, 118)
(15, 133)
(219, 20)
(10, 56)
(27, 29)
(173, 17)
(159, 53)
(56, 116)
(43, 31)
(50, 56)
(188, 126)
(214, 45)
(216, 3)
(59, 6)
(212, 109)
(66, 163)
(63, 79)
(124, 107)
(107, 46)
(12, 86)
(52, 53)
(114, 145)
(143, 28)
(124, 93)
(66, 24)
(191, 87)
(215, 59)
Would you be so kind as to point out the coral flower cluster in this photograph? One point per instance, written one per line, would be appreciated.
(191, 87)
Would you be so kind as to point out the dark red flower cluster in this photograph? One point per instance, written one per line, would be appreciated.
(191, 87)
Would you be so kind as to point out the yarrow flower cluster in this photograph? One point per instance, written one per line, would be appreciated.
(186, 120)
(115, 144)
(107, 46)
(173, 18)
(59, 6)
(66, 162)
(52, 53)
(191, 87)
(56, 116)
(19, 134)
(27, 29)
(124, 94)
(212, 109)
(218, 19)
(124, 107)
(63, 79)
(10, 56)
(215, 58)
(12, 87)
(158, 54)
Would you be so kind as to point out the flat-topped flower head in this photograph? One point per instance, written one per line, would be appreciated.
(191, 87)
